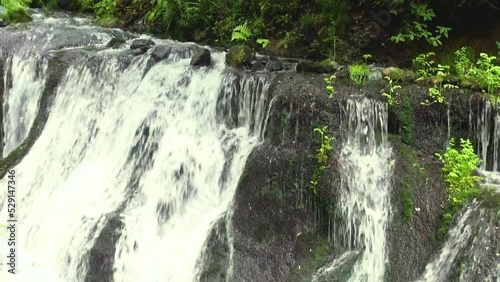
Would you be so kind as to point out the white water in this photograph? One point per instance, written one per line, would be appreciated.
(21, 99)
(440, 268)
(366, 169)
(487, 127)
(80, 169)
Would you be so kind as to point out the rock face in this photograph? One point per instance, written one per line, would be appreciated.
(240, 56)
(280, 229)
(201, 57)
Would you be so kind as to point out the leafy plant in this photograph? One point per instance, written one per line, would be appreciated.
(359, 73)
(16, 10)
(392, 89)
(321, 155)
(329, 85)
(436, 92)
(424, 65)
(417, 28)
(458, 168)
(487, 73)
(463, 62)
(366, 57)
(263, 42)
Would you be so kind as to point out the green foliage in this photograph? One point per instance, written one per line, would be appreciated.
(329, 85)
(392, 88)
(263, 42)
(417, 28)
(241, 32)
(487, 73)
(359, 73)
(366, 57)
(424, 65)
(458, 167)
(16, 10)
(463, 62)
(321, 155)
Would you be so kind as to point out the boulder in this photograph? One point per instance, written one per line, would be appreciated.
(160, 53)
(116, 43)
(257, 65)
(240, 55)
(273, 64)
(143, 44)
(201, 57)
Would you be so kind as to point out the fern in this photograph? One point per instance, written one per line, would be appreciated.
(263, 42)
(241, 32)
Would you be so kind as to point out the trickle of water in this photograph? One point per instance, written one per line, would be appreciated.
(366, 168)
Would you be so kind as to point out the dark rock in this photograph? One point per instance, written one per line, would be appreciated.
(2, 23)
(64, 3)
(143, 44)
(257, 66)
(273, 64)
(160, 53)
(240, 56)
(116, 43)
(201, 57)
(314, 67)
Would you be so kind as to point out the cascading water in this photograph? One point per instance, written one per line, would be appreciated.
(24, 81)
(131, 170)
(366, 169)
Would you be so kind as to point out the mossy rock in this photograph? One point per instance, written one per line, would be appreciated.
(240, 55)
(394, 73)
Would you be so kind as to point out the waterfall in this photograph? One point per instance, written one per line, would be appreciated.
(366, 169)
(487, 129)
(470, 253)
(131, 171)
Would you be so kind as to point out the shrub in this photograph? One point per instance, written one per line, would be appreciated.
(458, 168)
(359, 73)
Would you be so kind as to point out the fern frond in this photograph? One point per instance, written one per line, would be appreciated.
(241, 32)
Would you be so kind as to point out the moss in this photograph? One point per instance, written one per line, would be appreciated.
(318, 251)
(240, 55)
(406, 118)
(407, 202)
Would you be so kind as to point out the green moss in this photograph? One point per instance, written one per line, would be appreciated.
(240, 55)
(407, 202)
(406, 117)
(317, 250)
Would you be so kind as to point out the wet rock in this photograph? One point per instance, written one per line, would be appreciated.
(2, 23)
(273, 64)
(201, 57)
(375, 74)
(240, 56)
(116, 43)
(257, 65)
(64, 3)
(160, 53)
(142, 44)
(314, 67)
